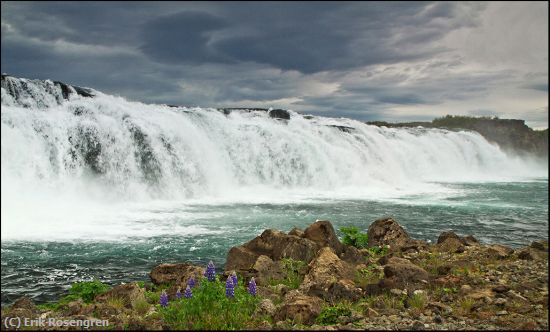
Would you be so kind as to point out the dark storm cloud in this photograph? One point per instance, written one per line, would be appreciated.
(357, 59)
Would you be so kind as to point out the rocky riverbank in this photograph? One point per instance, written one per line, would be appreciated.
(310, 279)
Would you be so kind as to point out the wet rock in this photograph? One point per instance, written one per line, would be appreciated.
(175, 273)
(279, 114)
(387, 231)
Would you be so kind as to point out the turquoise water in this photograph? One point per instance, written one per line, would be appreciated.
(508, 213)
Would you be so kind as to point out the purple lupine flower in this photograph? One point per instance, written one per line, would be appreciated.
(178, 294)
(210, 272)
(191, 282)
(229, 288)
(164, 299)
(188, 293)
(234, 279)
(252, 287)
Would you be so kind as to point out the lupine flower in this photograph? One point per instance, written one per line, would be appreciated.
(234, 279)
(229, 288)
(191, 282)
(252, 287)
(178, 294)
(164, 299)
(210, 272)
(188, 293)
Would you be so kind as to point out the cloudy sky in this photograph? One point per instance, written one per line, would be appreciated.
(366, 60)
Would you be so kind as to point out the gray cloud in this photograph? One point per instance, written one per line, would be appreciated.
(369, 61)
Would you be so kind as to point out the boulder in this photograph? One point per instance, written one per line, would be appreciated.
(529, 254)
(450, 244)
(299, 308)
(499, 251)
(175, 273)
(265, 307)
(325, 270)
(240, 259)
(352, 255)
(344, 289)
(540, 245)
(402, 273)
(387, 231)
(279, 114)
(470, 241)
(24, 302)
(296, 231)
(129, 293)
(265, 270)
(322, 233)
(276, 245)
(447, 235)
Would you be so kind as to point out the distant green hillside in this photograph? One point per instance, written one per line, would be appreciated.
(509, 134)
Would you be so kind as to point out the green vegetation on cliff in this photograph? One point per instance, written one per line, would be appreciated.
(510, 134)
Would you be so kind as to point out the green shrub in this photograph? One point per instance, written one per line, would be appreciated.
(88, 290)
(353, 237)
(211, 309)
(330, 315)
(294, 272)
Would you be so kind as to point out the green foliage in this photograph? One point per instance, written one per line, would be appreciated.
(88, 290)
(353, 237)
(378, 251)
(368, 275)
(210, 309)
(417, 301)
(152, 297)
(141, 306)
(330, 315)
(141, 284)
(294, 270)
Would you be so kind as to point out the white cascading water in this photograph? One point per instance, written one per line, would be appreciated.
(62, 159)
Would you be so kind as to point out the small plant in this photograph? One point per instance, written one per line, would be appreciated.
(330, 315)
(417, 301)
(141, 306)
(163, 301)
(353, 237)
(88, 290)
(368, 275)
(294, 273)
(466, 305)
(116, 302)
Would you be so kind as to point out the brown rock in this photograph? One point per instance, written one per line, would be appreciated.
(24, 302)
(175, 273)
(447, 235)
(470, 241)
(344, 289)
(414, 245)
(240, 259)
(499, 251)
(500, 289)
(539, 245)
(450, 244)
(324, 270)
(387, 232)
(403, 273)
(447, 280)
(277, 245)
(299, 308)
(322, 233)
(352, 255)
(265, 270)
(129, 293)
(296, 231)
(444, 269)
(265, 307)
(529, 254)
